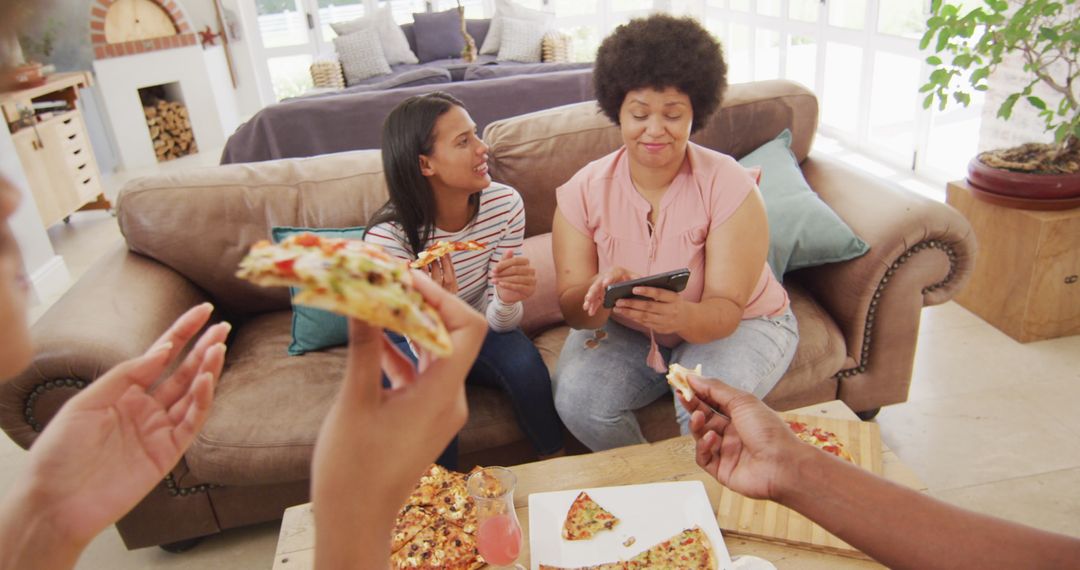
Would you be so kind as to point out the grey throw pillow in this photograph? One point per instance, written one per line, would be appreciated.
(438, 35)
(392, 38)
(522, 41)
(361, 56)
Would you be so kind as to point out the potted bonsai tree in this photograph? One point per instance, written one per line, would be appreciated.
(969, 45)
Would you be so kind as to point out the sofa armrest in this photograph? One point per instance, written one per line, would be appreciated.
(921, 253)
(112, 314)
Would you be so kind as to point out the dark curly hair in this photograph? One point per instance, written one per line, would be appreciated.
(659, 52)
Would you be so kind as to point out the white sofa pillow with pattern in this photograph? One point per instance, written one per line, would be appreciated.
(361, 56)
(522, 41)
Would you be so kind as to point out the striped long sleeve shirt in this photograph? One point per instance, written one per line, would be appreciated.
(499, 223)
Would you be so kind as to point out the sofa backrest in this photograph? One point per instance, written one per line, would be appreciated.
(351, 121)
(201, 222)
(538, 152)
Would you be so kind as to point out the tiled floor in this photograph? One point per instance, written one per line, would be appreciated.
(990, 423)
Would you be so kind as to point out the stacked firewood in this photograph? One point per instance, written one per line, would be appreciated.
(170, 129)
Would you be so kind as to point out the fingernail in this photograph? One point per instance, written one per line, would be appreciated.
(227, 325)
(223, 347)
(158, 349)
(207, 306)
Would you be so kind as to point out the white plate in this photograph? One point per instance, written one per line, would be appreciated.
(650, 513)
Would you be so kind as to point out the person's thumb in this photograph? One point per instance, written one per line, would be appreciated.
(716, 393)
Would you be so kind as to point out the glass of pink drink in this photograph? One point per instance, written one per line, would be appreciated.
(498, 537)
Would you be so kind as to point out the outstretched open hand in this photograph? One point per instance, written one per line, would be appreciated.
(109, 445)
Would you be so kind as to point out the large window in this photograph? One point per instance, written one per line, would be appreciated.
(859, 56)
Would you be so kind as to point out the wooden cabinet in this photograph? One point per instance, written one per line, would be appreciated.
(1027, 271)
(55, 152)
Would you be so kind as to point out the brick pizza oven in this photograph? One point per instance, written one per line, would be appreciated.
(143, 46)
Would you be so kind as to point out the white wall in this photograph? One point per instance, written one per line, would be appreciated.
(1025, 126)
(47, 271)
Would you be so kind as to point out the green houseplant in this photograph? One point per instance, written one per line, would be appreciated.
(968, 45)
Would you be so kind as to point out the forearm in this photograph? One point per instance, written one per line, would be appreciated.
(570, 302)
(902, 528)
(503, 317)
(28, 540)
(349, 533)
(709, 320)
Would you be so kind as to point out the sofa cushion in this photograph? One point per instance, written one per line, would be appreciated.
(541, 310)
(803, 230)
(236, 206)
(510, 69)
(478, 29)
(522, 41)
(821, 353)
(392, 38)
(361, 57)
(267, 408)
(508, 9)
(574, 135)
(438, 35)
(402, 76)
(316, 329)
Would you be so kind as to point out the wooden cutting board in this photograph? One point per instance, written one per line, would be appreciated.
(766, 520)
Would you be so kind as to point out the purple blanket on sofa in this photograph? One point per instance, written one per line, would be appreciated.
(351, 121)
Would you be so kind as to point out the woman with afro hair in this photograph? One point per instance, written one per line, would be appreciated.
(659, 203)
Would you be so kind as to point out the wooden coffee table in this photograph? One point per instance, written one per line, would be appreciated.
(669, 460)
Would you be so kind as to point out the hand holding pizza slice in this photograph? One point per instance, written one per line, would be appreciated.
(352, 278)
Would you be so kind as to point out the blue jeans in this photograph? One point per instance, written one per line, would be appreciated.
(510, 363)
(597, 389)
(449, 456)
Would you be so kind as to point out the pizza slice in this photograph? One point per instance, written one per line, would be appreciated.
(586, 518)
(688, 550)
(677, 378)
(441, 545)
(441, 248)
(349, 277)
(824, 440)
(409, 523)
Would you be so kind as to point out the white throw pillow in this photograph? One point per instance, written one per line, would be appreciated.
(361, 56)
(522, 41)
(507, 9)
(395, 45)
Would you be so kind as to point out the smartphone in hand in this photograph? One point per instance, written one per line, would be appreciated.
(671, 280)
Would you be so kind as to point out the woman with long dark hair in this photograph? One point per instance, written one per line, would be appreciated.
(437, 176)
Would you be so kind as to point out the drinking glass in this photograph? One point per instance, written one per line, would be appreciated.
(498, 537)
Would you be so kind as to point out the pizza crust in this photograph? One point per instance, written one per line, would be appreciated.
(677, 378)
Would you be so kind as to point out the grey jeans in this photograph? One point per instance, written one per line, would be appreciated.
(599, 383)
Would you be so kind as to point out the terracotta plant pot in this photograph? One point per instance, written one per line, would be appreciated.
(1023, 190)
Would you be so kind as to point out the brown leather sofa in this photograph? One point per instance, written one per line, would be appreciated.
(186, 231)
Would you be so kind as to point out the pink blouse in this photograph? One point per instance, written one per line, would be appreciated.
(602, 203)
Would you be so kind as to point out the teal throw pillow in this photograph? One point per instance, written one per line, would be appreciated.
(316, 329)
(803, 230)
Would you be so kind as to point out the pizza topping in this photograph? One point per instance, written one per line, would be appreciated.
(824, 440)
